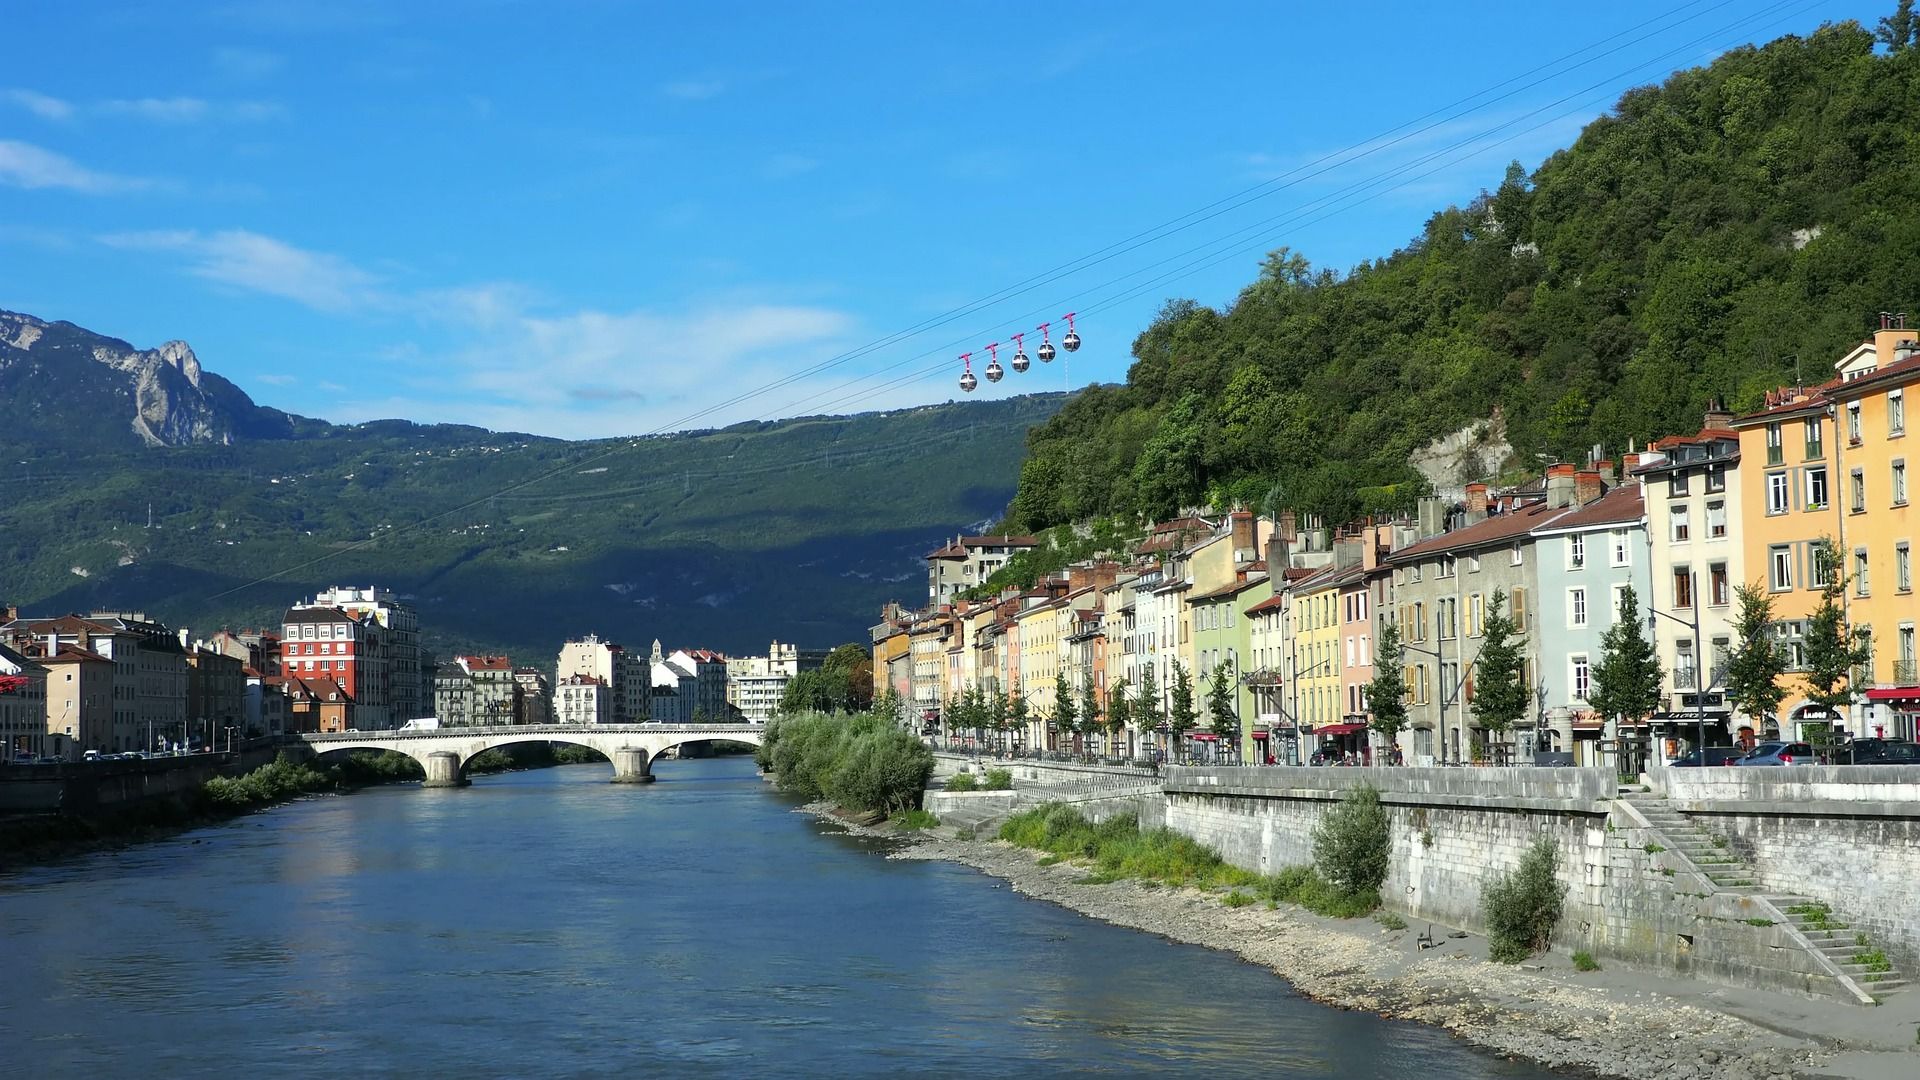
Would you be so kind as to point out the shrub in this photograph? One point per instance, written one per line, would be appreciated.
(1236, 899)
(862, 762)
(1584, 961)
(997, 780)
(962, 781)
(1522, 907)
(1390, 921)
(1353, 842)
(914, 820)
(1118, 849)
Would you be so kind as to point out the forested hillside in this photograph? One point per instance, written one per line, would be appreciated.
(1729, 231)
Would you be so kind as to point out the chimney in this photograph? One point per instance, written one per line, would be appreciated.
(1432, 515)
(1559, 486)
(1893, 333)
(1476, 502)
(1587, 486)
(1718, 416)
(1347, 551)
(1280, 549)
(1243, 546)
(1607, 475)
(1628, 463)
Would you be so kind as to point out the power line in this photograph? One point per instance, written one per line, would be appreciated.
(1327, 162)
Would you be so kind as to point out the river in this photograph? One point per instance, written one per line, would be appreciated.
(550, 923)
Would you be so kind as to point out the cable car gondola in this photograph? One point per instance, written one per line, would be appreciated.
(994, 370)
(1045, 351)
(1020, 361)
(1071, 342)
(967, 381)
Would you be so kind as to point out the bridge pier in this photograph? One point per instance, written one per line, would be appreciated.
(631, 766)
(443, 769)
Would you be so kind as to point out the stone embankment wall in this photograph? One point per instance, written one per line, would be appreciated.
(1455, 830)
(1097, 791)
(1846, 834)
(89, 787)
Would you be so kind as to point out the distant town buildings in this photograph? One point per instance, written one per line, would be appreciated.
(755, 684)
(582, 699)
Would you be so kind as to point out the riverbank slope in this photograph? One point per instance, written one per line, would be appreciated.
(1617, 1022)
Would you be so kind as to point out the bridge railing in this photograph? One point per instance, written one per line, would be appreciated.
(487, 730)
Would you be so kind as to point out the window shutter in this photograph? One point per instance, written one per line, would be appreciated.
(1517, 606)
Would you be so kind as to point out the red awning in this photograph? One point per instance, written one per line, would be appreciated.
(1206, 736)
(1895, 693)
(1259, 734)
(1339, 729)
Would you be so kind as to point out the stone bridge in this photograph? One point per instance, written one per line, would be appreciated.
(443, 753)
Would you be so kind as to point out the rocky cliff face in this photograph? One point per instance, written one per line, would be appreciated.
(62, 382)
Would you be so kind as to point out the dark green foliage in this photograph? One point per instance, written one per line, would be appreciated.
(1522, 907)
(1387, 693)
(1118, 849)
(1584, 961)
(1833, 649)
(1304, 886)
(1221, 719)
(862, 762)
(1666, 258)
(963, 781)
(277, 781)
(996, 780)
(1501, 695)
(1757, 661)
(1181, 717)
(842, 684)
(1626, 680)
(1352, 843)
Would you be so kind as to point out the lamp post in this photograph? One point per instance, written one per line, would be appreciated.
(1699, 684)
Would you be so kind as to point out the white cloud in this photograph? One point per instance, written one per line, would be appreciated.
(262, 264)
(42, 105)
(25, 165)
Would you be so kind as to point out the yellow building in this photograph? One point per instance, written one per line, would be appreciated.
(1315, 661)
(1829, 464)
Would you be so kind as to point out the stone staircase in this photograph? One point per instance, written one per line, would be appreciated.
(1850, 953)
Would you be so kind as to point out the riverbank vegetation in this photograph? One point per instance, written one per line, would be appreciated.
(1522, 906)
(1118, 848)
(863, 762)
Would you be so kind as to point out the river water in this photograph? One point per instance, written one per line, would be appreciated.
(549, 923)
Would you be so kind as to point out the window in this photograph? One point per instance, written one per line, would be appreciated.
(1678, 529)
(1517, 556)
(1857, 490)
(1815, 451)
(1860, 572)
(1576, 607)
(1473, 564)
(1791, 637)
(1853, 423)
(1622, 554)
(1476, 615)
(1722, 652)
(1716, 479)
(1582, 678)
(1816, 489)
(1413, 572)
(1682, 588)
(1448, 617)
(1517, 607)
(1718, 594)
(1775, 453)
(1686, 671)
(1576, 552)
(1716, 520)
(1447, 565)
(1902, 567)
(1896, 413)
(1780, 568)
(1677, 487)
(1899, 482)
(1823, 566)
(1776, 493)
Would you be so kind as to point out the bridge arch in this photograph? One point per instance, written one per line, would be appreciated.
(444, 752)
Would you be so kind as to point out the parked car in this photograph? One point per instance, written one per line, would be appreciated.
(1715, 755)
(1780, 753)
(1879, 752)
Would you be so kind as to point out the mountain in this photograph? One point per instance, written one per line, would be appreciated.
(141, 480)
(59, 380)
(1734, 229)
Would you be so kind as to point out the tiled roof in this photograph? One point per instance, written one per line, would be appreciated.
(76, 654)
(1493, 530)
(316, 615)
(484, 663)
(1617, 507)
(1269, 604)
(957, 549)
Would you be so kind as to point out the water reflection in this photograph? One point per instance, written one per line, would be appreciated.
(549, 923)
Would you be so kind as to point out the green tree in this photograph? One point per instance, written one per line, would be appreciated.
(1754, 668)
(1833, 649)
(1091, 721)
(1625, 683)
(1387, 693)
(1147, 712)
(1501, 696)
(1900, 29)
(1181, 715)
(1064, 716)
(1119, 710)
(1222, 717)
(1018, 714)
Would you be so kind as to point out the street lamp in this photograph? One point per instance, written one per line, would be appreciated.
(1699, 684)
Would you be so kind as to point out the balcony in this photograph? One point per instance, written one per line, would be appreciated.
(1906, 672)
(1686, 678)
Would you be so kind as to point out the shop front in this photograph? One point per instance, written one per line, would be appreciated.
(1895, 712)
(1340, 744)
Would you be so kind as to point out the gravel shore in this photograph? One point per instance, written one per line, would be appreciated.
(1609, 1024)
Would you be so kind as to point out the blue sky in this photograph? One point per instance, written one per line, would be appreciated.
(587, 219)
